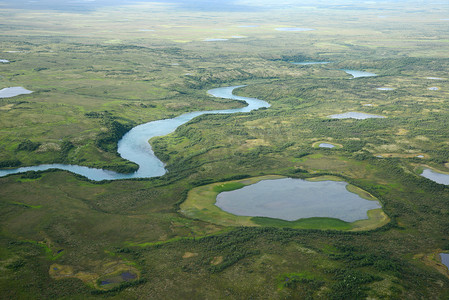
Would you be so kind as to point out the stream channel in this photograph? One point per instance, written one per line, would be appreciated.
(134, 144)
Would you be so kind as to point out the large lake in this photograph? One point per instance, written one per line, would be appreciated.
(134, 144)
(13, 91)
(435, 176)
(292, 199)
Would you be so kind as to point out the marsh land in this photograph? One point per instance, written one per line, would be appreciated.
(100, 69)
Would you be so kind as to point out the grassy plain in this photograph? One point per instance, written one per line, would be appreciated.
(94, 74)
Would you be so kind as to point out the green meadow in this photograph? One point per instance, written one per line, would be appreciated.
(95, 74)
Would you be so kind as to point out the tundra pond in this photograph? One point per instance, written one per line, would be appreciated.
(13, 91)
(291, 199)
(355, 115)
(438, 177)
(358, 74)
(324, 202)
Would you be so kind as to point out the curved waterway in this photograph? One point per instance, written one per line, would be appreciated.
(134, 144)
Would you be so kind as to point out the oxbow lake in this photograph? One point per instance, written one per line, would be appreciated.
(292, 199)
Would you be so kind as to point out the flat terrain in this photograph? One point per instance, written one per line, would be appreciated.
(96, 72)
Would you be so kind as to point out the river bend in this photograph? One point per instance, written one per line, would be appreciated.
(134, 144)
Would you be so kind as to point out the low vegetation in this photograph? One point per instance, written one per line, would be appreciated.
(96, 74)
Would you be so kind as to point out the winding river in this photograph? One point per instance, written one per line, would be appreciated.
(134, 144)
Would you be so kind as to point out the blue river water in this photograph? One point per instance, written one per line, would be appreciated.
(134, 144)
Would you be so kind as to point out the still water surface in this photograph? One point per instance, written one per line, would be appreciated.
(435, 176)
(13, 91)
(326, 145)
(306, 63)
(354, 115)
(292, 199)
(357, 74)
(293, 29)
(445, 259)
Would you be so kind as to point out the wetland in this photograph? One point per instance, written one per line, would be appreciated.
(97, 74)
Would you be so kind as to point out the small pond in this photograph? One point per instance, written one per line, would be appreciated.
(435, 78)
(434, 88)
(326, 145)
(214, 40)
(307, 63)
(445, 259)
(436, 176)
(292, 199)
(293, 29)
(357, 74)
(385, 89)
(117, 279)
(13, 91)
(126, 276)
(4, 61)
(354, 115)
